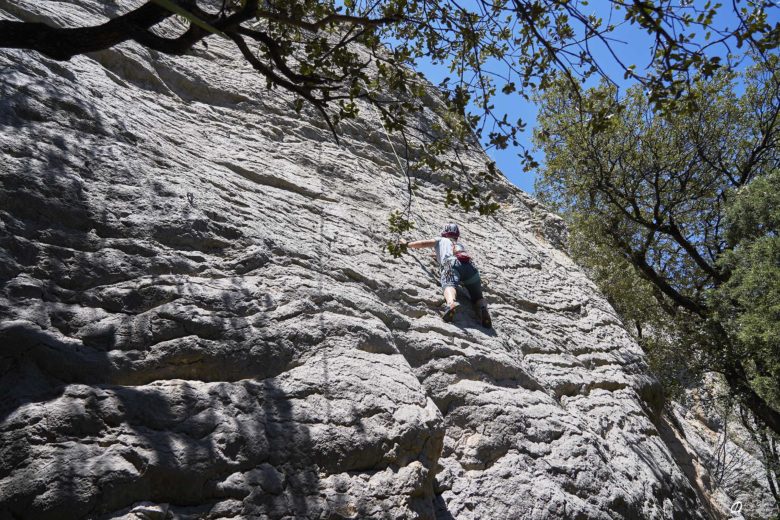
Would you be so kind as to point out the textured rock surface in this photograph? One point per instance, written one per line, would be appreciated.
(722, 454)
(198, 320)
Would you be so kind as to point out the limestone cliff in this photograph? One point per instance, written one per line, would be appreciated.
(198, 320)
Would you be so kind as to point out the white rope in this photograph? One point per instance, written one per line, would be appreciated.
(404, 171)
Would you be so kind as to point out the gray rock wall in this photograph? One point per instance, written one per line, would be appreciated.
(723, 455)
(198, 320)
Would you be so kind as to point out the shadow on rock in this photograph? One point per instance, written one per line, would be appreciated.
(101, 326)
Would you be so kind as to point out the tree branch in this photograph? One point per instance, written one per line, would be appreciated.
(63, 43)
(735, 375)
(639, 261)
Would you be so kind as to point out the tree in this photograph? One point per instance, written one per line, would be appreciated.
(683, 205)
(310, 47)
(748, 303)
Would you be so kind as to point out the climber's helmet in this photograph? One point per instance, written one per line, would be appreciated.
(450, 231)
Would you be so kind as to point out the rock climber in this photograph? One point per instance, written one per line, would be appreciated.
(456, 268)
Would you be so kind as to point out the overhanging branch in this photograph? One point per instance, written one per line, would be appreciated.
(63, 43)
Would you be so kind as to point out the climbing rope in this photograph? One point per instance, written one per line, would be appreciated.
(404, 171)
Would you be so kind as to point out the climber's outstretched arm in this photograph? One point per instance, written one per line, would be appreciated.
(420, 244)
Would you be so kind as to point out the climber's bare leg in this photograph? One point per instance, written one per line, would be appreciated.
(449, 297)
(450, 294)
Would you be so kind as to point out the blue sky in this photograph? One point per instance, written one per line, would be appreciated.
(631, 45)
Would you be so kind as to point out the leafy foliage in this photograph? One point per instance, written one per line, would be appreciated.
(673, 213)
(338, 56)
(635, 300)
(676, 214)
(748, 304)
(398, 225)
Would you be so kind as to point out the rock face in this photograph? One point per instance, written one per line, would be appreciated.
(720, 453)
(198, 319)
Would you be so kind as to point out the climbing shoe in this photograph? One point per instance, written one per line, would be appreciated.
(484, 317)
(449, 314)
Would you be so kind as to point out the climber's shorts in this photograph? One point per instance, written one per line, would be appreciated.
(454, 273)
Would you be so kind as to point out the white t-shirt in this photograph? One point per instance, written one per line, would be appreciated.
(443, 249)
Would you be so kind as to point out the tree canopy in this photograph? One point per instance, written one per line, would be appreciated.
(675, 214)
(490, 46)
